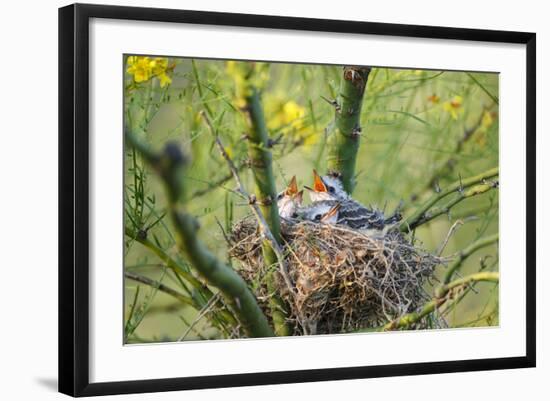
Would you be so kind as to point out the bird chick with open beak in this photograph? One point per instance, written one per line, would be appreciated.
(289, 200)
(325, 212)
(326, 188)
(351, 213)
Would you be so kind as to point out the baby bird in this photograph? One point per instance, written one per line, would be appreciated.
(351, 213)
(325, 212)
(327, 188)
(289, 200)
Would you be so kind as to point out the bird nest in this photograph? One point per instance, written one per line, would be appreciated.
(341, 279)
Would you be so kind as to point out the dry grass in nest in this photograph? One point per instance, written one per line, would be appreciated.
(345, 280)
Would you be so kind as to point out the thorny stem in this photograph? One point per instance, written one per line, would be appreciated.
(260, 158)
(442, 290)
(169, 165)
(262, 169)
(460, 196)
(278, 308)
(466, 291)
(261, 163)
(344, 140)
(466, 252)
(419, 215)
(439, 299)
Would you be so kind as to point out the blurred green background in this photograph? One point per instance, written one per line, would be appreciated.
(416, 125)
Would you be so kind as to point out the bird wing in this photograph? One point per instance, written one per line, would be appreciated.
(356, 216)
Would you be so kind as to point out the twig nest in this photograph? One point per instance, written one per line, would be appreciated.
(344, 279)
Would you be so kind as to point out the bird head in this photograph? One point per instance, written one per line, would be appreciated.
(289, 200)
(328, 187)
(323, 212)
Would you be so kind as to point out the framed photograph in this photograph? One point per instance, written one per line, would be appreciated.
(250, 199)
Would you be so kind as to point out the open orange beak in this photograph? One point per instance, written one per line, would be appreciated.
(318, 184)
(292, 188)
(331, 213)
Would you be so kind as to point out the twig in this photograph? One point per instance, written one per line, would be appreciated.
(447, 167)
(442, 290)
(241, 165)
(225, 237)
(161, 287)
(181, 271)
(201, 314)
(483, 88)
(414, 220)
(264, 228)
(466, 252)
(278, 308)
(170, 263)
(453, 228)
(470, 288)
(459, 197)
(439, 299)
(169, 165)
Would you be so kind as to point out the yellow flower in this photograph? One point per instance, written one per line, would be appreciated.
(289, 118)
(164, 80)
(454, 107)
(160, 66)
(143, 68)
(291, 112)
(139, 68)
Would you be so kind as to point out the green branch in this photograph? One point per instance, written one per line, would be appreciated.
(169, 165)
(442, 290)
(466, 252)
(277, 305)
(200, 289)
(261, 163)
(159, 286)
(414, 317)
(459, 197)
(439, 299)
(162, 255)
(419, 215)
(343, 141)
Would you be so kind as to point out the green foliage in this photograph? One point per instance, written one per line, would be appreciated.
(420, 131)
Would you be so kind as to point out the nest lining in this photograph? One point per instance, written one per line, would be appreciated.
(344, 279)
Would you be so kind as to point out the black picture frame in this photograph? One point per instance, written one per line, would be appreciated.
(74, 198)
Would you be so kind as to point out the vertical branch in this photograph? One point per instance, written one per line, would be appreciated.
(343, 141)
(261, 164)
(169, 165)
